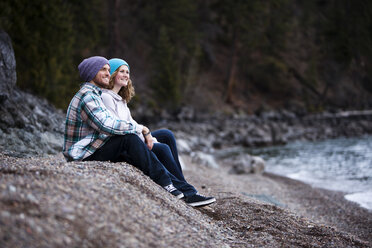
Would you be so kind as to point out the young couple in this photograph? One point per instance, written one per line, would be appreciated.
(99, 127)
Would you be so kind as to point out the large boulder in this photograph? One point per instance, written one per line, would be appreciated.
(8, 76)
(29, 125)
(247, 164)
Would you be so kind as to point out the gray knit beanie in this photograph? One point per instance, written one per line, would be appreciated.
(89, 67)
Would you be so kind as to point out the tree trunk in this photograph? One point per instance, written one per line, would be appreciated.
(304, 82)
(232, 71)
(113, 26)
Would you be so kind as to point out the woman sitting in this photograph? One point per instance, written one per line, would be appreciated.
(161, 142)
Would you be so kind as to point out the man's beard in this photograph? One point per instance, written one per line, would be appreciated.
(100, 84)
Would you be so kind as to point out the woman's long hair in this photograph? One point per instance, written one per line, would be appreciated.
(125, 92)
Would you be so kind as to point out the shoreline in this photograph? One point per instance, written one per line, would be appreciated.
(341, 164)
(321, 206)
(343, 193)
(329, 207)
(325, 191)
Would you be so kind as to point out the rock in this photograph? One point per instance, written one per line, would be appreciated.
(258, 164)
(186, 113)
(247, 164)
(182, 162)
(183, 146)
(32, 198)
(8, 76)
(29, 125)
(271, 128)
(205, 160)
(12, 189)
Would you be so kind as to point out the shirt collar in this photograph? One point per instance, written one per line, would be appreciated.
(92, 86)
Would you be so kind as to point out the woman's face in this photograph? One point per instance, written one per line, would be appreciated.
(122, 77)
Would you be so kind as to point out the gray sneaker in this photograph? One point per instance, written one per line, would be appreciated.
(198, 200)
(171, 189)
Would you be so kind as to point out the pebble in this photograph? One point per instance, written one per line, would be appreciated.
(70, 217)
(12, 188)
(5, 214)
(67, 240)
(32, 198)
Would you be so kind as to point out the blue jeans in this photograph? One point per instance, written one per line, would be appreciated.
(167, 153)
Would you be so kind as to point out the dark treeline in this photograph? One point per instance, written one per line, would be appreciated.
(209, 54)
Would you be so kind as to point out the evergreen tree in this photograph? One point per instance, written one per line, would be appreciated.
(42, 39)
(49, 40)
(174, 24)
(166, 80)
(255, 32)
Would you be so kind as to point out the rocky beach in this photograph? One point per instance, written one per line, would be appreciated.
(47, 202)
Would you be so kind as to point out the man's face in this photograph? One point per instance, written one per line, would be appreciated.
(102, 77)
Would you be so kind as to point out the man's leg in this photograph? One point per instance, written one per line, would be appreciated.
(129, 148)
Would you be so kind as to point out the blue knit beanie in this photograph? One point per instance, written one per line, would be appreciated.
(116, 63)
(89, 67)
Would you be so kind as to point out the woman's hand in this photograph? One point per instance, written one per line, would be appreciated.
(148, 137)
(149, 141)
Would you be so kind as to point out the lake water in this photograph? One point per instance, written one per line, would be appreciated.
(343, 164)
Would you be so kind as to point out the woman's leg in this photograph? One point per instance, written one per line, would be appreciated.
(165, 156)
(166, 136)
(167, 153)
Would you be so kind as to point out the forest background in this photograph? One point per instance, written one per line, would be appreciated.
(209, 55)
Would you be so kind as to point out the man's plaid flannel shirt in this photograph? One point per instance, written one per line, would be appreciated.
(89, 124)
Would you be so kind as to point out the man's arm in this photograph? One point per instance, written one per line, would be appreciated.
(110, 104)
(99, 118)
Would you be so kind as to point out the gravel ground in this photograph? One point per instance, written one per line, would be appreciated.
(47, 202)
(328, 213)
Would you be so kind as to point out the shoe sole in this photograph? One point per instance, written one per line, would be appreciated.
(180, 196)
(202, 203)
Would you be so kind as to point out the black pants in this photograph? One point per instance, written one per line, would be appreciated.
(131, 149)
